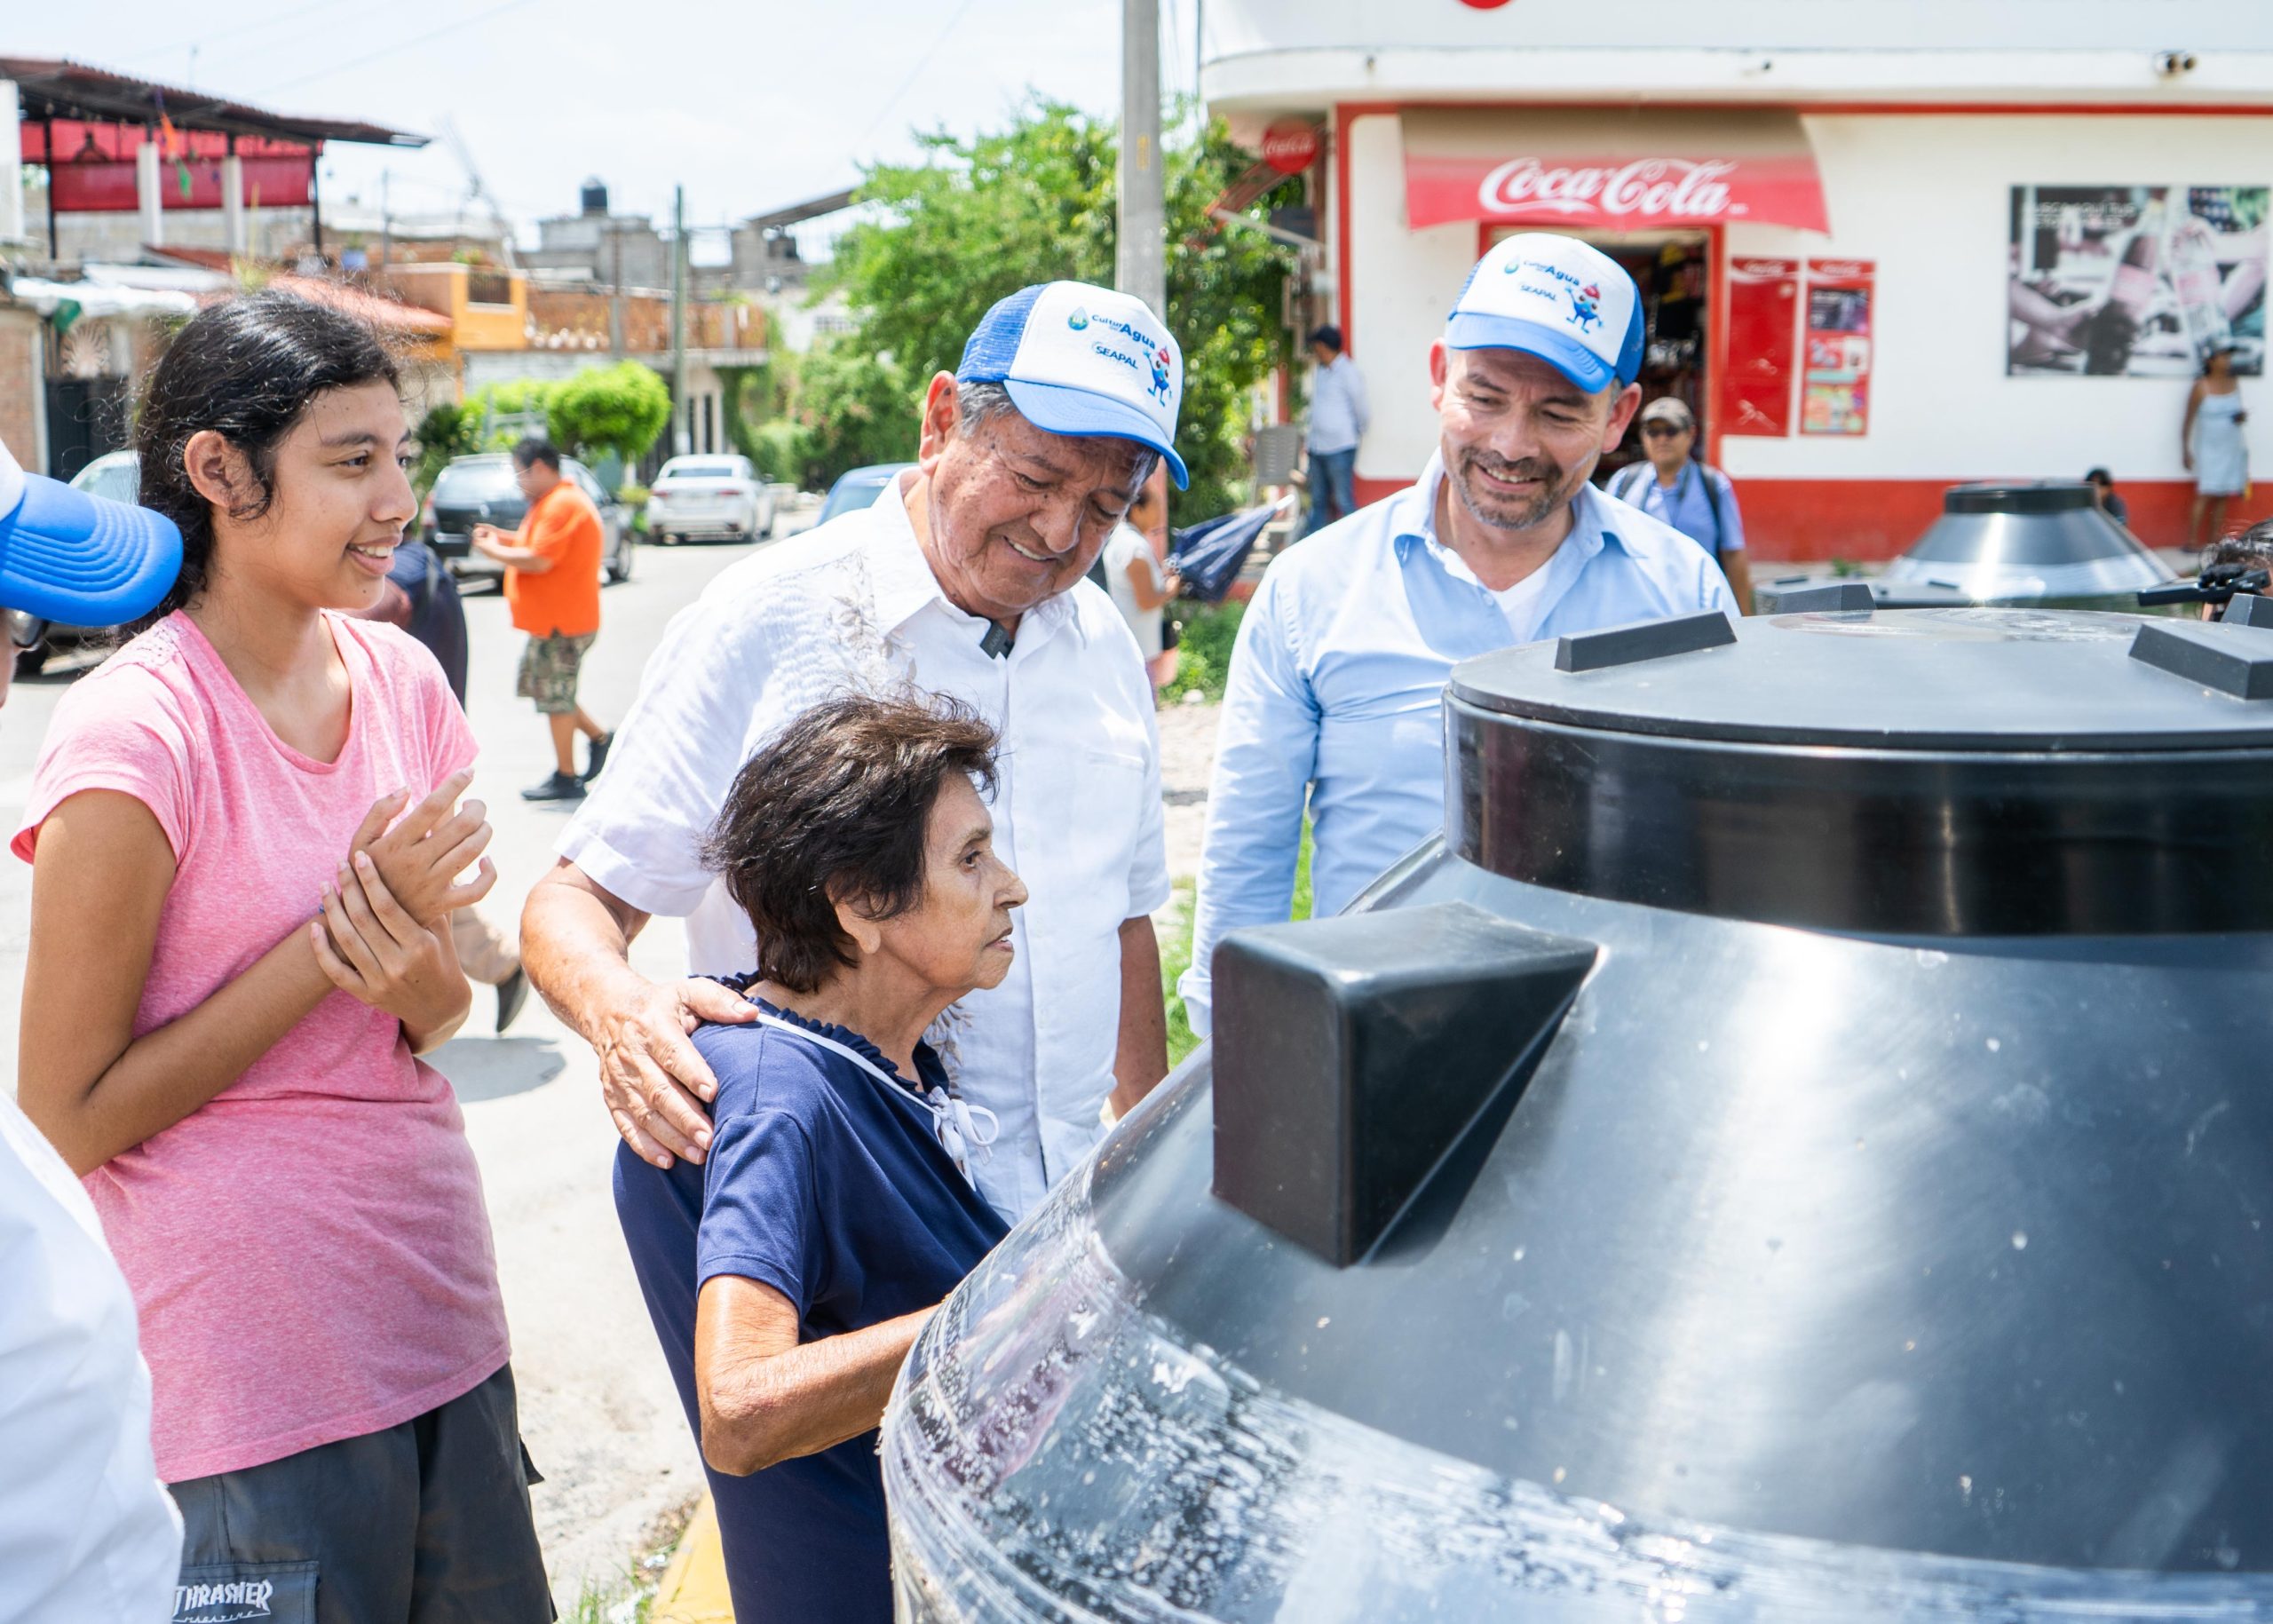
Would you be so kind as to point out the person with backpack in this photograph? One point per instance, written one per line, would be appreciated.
(420, 598)
(1676, 489)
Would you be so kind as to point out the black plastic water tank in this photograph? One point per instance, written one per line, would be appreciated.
(1795, 1148)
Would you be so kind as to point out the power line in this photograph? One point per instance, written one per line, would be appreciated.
(290, 13)
(401, 45)
(908, 83)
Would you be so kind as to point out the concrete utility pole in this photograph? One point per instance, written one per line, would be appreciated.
(615, 289)
(12, 161)
(681, 442)
(1140, 255)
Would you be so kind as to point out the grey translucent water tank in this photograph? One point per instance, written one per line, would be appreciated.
(1799, 1147)
(2044, 544)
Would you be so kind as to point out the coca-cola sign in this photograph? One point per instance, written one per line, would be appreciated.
(1290, 144)
(1653, 189)
(1612, 191)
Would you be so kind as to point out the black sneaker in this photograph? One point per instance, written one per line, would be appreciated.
(596, 756)
(512, 992)
(559, 787)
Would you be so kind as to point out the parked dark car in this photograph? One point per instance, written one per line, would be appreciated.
(480, 490)
(859, 487)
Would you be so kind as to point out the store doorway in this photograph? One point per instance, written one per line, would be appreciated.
(87, 418)
(1674, 270)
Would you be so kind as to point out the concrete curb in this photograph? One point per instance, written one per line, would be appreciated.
(694, 1591)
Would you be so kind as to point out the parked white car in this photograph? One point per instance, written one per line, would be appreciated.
(710, 497)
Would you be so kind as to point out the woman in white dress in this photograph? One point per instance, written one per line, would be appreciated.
(2212, 443)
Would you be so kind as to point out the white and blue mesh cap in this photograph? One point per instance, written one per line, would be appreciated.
(1084, 360)
(81, 560)
(1558, 298)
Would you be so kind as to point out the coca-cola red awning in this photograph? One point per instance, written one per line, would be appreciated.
(1636, 170)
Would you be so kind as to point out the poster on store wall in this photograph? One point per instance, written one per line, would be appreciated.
(1835, 367)
(2135, 282)
(1763, 320)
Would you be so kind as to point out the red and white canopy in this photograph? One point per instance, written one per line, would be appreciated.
(1645, 170)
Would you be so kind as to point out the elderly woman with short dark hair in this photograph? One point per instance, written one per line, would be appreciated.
(788, 1275)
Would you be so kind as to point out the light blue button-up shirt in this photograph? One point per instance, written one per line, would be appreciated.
(1710, 519)
(1338, 410)
(1336, 688)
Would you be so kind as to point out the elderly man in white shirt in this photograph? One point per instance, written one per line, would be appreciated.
(965, 580)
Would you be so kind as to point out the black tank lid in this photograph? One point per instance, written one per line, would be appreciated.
(1931, 772)
(1959, 678)
(2017, 498)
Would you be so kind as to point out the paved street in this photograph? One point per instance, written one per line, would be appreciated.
(597, 1407)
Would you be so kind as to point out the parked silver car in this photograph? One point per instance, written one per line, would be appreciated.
(481, 490)
(714, 498)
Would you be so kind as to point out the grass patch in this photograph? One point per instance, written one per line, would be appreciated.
(627, 1600)
(1175, 948)
(630, 1598)
(1204, 637)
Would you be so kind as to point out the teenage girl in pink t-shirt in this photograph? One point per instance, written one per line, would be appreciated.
(247, 841)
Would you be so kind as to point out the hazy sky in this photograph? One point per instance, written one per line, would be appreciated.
(752, 103)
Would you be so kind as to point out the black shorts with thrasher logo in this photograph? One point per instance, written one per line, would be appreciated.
(426, 1521)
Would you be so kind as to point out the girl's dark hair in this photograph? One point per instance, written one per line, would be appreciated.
(247, 369)
(838, 807)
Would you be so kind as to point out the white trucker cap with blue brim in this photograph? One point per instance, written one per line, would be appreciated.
(1558, 298)
(1083, 360)
(77, 560)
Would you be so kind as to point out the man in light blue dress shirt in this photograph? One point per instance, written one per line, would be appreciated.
(1334, 700)
(1339, 415)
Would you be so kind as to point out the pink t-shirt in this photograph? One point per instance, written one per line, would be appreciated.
(308, 1250)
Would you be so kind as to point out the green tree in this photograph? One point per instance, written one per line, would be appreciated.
(448, 430)
(620, 409)
(986, 215)
(502, 411)
(855, 407)
(779, 448)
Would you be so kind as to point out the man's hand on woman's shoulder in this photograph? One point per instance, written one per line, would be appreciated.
(654, 1079)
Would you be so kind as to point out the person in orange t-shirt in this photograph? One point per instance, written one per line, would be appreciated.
(552, 582)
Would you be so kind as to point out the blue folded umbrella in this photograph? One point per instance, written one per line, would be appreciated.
(1208, 556)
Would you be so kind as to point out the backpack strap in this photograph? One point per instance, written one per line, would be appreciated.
(1712, 478)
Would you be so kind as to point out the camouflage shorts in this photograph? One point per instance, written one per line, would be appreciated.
(549, 667)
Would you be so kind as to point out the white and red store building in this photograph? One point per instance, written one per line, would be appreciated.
(1872, 238)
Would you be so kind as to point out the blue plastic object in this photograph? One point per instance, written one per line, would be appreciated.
(83, 560)
(1208, 556)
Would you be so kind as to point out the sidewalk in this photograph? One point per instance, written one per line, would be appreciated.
(694, 1591)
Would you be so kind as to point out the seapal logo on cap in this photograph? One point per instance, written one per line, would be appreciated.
(1152, 360)
(1675, 187)
(1079, 320)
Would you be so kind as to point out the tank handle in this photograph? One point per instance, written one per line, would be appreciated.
(1354, 1055)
